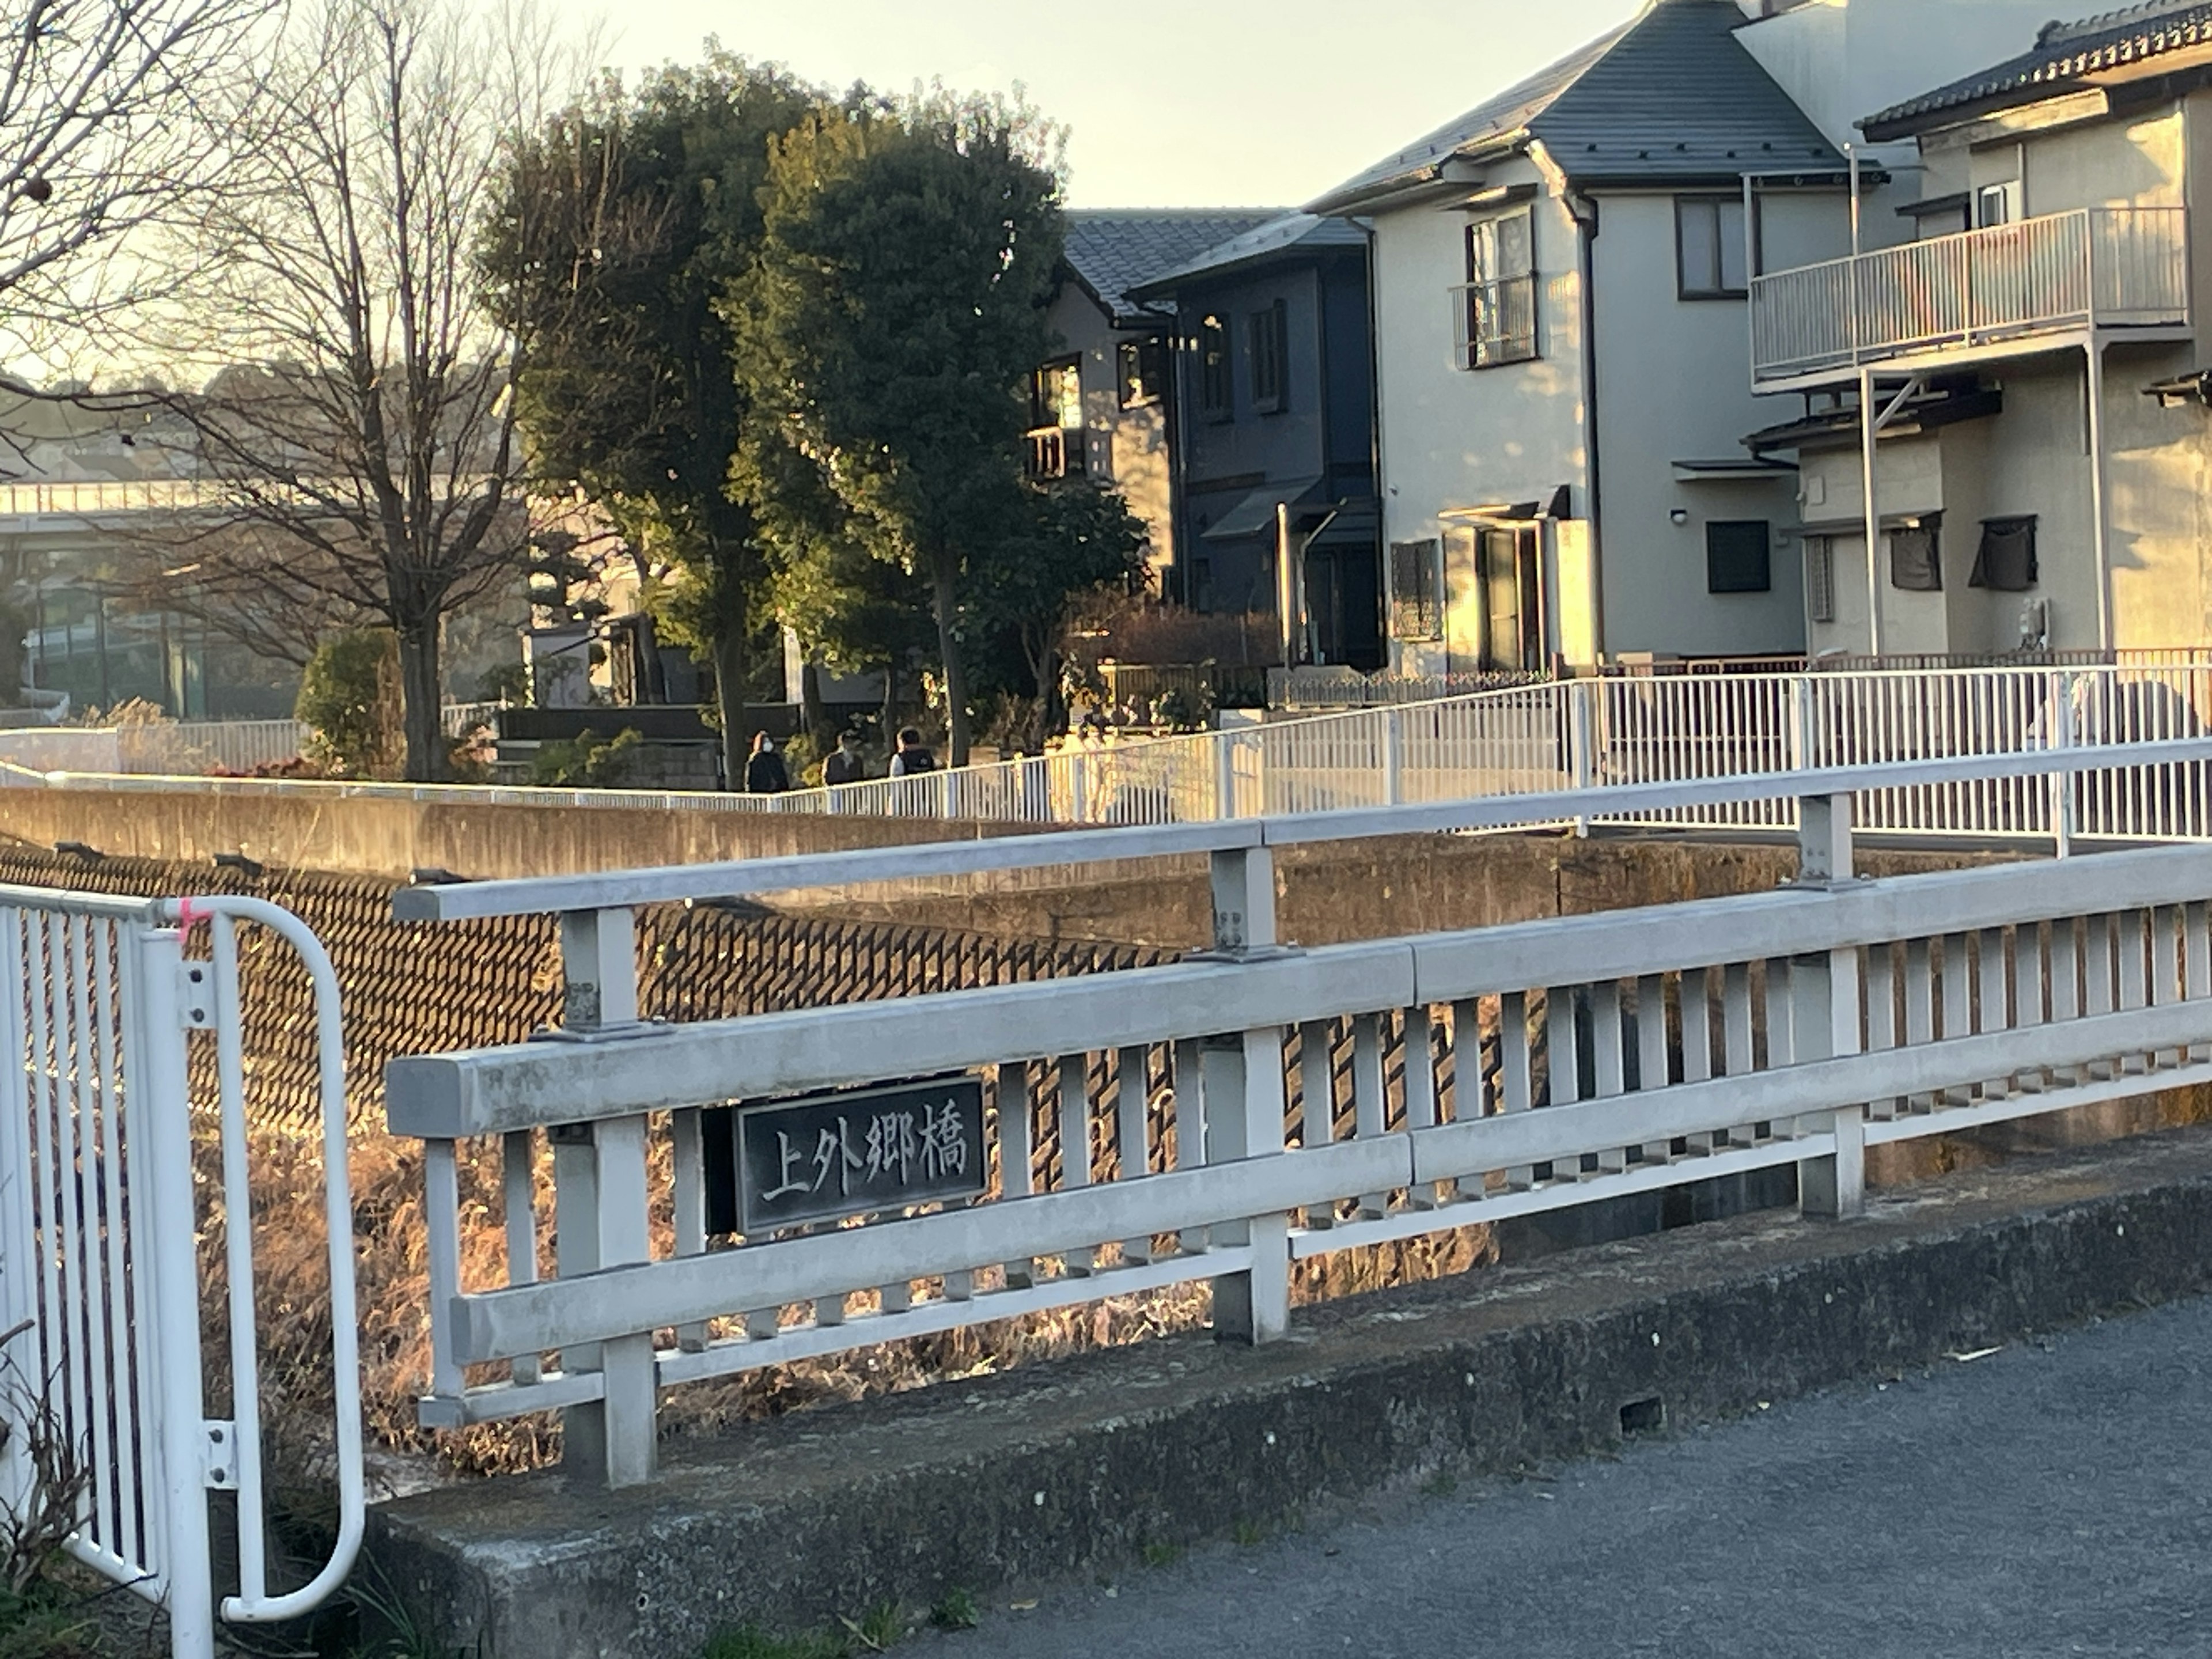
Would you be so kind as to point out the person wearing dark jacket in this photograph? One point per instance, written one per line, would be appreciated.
(914, 757)
(764, 772)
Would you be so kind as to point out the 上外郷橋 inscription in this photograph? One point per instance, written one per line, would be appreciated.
(821, 1158)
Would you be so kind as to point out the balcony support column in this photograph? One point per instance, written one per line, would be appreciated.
(1870, 429)
(2092, 352)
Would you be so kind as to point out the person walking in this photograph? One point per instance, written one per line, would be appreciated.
(914, 757)
(846, 764)
(765, 773)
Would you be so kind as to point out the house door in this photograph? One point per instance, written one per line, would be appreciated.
(1509, 575)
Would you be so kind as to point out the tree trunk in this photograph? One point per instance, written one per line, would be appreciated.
(420, 719)
(813, 710)
(730, 698)
(948, 651)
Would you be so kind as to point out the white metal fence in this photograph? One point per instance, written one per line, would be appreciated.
(162, 748)
(2127, 266)
(1188, 1122)
(1537, 739)
(106, 1438)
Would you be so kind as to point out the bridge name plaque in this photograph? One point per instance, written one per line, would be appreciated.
(822, 1158)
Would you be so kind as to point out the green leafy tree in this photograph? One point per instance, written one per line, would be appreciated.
(898, 301)
(626, 215)
(1057, 543)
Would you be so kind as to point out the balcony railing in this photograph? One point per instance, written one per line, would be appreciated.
(2095, 268)
(1056, 451)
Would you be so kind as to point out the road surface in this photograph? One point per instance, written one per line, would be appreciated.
(2050, 1498)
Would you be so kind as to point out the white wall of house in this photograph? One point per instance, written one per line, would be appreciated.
(1125, 447)
(2033, 457)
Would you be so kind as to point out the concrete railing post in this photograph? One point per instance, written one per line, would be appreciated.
(1581, 769)
(1225, 774)
(599, 1207)
(2062, 783)
(1824, 1024)
(1243, 1084)
(1824, 841)
(1394, 756)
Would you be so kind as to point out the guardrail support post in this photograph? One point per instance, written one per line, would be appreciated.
(1244, 880)
(600, 1200)
(1393, 758)
(2062, 783)
(1580, 766)
(1244, 1119)
(1824, 1023)
(1824, 841)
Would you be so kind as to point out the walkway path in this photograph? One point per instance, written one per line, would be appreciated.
(2048, 1500)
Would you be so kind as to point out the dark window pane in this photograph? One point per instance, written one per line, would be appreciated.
(1736, 556)
(1416, 606)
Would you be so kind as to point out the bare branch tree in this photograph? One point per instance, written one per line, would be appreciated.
(111, 127)
(356, 439)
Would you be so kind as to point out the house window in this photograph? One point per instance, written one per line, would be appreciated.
(1143, 367)
(1736, 556)
(1998, 204)
(1055, 436)
(1214, 396)
(1915, 556)
(1267, 337)
(1820, 578)
(1496, 309)
(2006, 559)
(1417, 610)
(1709, 251)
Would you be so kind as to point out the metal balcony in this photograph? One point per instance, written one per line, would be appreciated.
(1977, 291)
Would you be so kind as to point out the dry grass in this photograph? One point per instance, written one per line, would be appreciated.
(294, 1306)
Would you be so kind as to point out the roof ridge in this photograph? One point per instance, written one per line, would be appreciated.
(2063, 31)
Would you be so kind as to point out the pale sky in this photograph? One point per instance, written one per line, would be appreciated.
(1176, 103)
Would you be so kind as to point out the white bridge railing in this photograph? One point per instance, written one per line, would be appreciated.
(1528, 741)
(1217, 1120)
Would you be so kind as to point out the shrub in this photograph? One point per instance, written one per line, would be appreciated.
(586, 762)
(350, 701)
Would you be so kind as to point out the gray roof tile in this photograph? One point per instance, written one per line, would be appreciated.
(1112, 250)
(2063, 54)
(1671, 96)
(1283, 234)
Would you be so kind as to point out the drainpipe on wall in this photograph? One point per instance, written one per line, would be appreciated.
(1584, 210)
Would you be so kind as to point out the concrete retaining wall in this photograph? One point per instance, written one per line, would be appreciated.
(1078, 1467)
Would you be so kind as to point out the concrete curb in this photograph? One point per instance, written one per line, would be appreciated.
(1079, 1465)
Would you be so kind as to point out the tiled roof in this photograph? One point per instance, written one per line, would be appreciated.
(2061, 55)
(1671, 96)
(1112, 250)
(1284, 234)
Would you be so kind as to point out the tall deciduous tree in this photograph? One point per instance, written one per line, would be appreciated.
(897, 303)
(375, 440)
(627, 215)
(106, 130)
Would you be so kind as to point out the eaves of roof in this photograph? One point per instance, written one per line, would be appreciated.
(2064, 56)
(1671, 96)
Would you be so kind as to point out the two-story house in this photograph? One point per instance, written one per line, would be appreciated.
(1099, 406)
(2010, 408)
(1561, 287)
(1275, 504)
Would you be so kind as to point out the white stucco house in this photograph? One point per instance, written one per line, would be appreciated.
(1563, 343)
(2018, 381)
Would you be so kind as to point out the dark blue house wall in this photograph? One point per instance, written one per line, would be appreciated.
(1347, 352)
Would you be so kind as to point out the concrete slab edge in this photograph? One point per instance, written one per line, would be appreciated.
(1475, 1376)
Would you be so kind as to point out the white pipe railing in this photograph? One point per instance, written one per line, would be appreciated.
(1516, 742)
(1186, 1123)
(2125, 267)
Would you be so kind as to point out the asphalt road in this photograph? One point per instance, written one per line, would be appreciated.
(2053, 1499)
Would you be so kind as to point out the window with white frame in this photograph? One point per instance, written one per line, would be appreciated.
(1496, 307)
